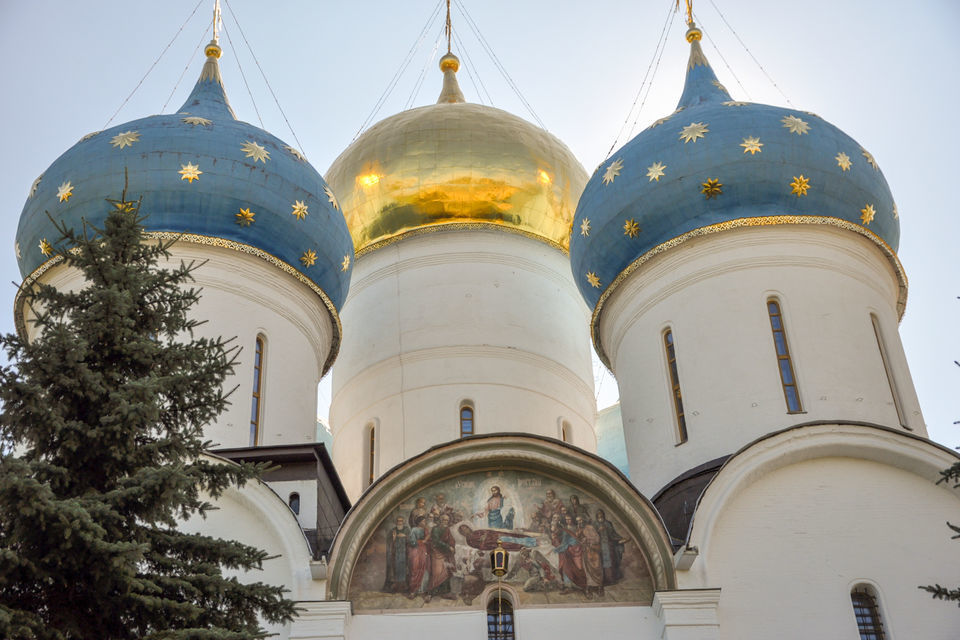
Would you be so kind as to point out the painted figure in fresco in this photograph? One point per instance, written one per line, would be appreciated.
(551, 505)
(611, 548)
(418, 511)
(473, 579)
(494, 511)
(540, 575)
(567, 548)
(418, 557)
(441, 508)
(486, 539)
(397, 557)
(592, 558)
(578, 510)
(441, 560)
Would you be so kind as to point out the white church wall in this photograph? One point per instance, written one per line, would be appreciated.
(492, 318)
(792, 525)
(244, 296)
(307, 490)
(712, 294)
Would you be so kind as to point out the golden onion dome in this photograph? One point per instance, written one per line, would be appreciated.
(456, 164)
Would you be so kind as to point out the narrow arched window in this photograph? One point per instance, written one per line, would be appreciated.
(294, 502)
(257, 399)
(371, 452)
(901, 416)
(466, 421)
(671, 351)
(787, 378)
(867, 613)
(500, 619)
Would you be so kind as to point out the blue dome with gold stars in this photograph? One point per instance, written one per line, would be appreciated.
(203, 175)
(716, 163)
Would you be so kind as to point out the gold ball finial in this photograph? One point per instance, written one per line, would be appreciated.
(449, 61)
(213, 50)
(693, 33)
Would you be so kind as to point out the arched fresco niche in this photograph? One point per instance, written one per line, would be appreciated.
(571, 541)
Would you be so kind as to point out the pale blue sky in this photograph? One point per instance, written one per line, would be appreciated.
(885, 72)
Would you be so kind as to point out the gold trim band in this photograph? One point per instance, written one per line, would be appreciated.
(459, 226)
(738, 223)
(212, 241)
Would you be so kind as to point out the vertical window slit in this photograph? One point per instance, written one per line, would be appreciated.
(788, 380)
(671, 352)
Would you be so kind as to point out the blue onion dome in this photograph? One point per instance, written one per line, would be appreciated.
(203, 174)
(717, 163)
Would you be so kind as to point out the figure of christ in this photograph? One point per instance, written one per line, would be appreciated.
(486, 539)
(397, 537)
(611, 548)
(420, 510)
(570, 561)
(418, 557)
(494, 511)
(442, 556)
(592, 559)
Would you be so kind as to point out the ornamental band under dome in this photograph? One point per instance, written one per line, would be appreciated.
(717, 163)
(204, 174)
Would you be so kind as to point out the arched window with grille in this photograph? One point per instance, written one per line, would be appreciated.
(500, 619)
(294, 502)
(867, 613)
(788, 379)
(670, 349)
(256, 400)
(466, 421)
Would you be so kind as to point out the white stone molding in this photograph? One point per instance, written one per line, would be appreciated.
(689, 614)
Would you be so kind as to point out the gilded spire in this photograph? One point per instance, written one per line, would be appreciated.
(208, 97)
(701, 84)
(449, 64)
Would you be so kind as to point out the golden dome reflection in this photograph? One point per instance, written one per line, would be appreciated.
(456, 163)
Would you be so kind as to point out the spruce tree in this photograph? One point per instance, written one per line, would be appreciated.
(105, 409)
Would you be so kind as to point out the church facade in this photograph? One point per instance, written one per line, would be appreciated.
(766, 473)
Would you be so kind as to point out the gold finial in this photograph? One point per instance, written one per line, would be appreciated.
(451, 92)
(449, 61)
(693, 33)
(449, 29)
(213, 49)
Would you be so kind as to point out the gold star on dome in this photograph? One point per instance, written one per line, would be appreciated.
(332, 198)
(345, 264)
(45, 247)
(870, 160)
(245, 217)
(309, 258)
(255, 151)
(843, 161)
(585, 227)
(612, 171)
(734, 103)
(16, 249)
(795, 125)
(693, 131)
(65, 191)
(799, 186)
(896, 214)
(867, 214)
(655, 171)
(122, 205)
(125, 139)
(711, 188)
(197, 120)
(299, 209)
(295, 153)
(35, 186)
(593, 279)
(189, 172)
(751, 145)
(630, 228)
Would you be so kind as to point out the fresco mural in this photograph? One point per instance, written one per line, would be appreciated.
(433, 549)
